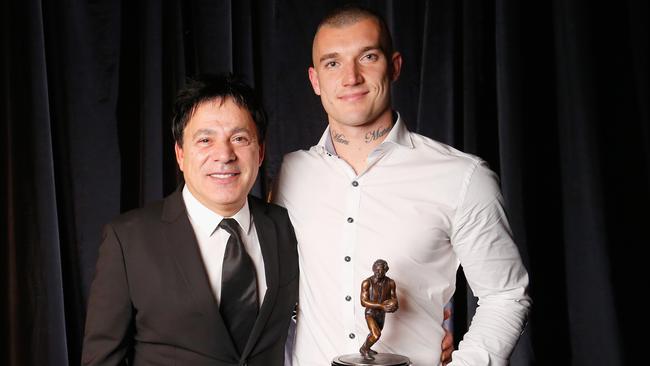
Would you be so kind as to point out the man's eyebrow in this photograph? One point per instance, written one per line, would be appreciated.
(204, 131)
(331, 55)
(328, 56)
(370, 48)
(212, 132)
(240, 129)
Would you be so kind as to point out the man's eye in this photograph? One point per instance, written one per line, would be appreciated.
(240, 139)
(203, 140)
(330, 64)
(371, 57)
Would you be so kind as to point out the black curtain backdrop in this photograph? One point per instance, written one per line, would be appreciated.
(553, 94)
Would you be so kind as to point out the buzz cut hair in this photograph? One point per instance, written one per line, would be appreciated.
(349, 14)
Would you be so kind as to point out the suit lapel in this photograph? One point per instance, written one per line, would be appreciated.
(267, 236)
(182, 244)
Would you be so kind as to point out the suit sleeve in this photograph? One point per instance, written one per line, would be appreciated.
(108, 333)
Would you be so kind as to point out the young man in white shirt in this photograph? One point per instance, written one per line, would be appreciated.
(372, 189)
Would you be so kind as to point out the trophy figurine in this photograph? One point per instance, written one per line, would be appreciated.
(378, 297)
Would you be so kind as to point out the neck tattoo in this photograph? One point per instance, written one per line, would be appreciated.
(376, 134)
(338, 137)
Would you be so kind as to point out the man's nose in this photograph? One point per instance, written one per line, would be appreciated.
(223, 152)
(352, 74)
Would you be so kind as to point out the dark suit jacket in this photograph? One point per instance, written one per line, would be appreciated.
(151, 302)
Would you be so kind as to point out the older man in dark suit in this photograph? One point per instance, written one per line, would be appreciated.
(208, 276)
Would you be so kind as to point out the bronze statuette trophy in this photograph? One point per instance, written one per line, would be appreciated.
(378, 296)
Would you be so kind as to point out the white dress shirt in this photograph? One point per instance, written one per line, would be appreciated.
(212, 241)
(425, 208)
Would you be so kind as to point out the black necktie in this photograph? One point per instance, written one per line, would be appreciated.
(238, 287)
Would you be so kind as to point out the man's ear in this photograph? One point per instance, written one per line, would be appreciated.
(396, 65)
(179, 155)
(313, 78)
(262, 148)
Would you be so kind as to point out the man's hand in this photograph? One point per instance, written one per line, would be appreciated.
(447, 342)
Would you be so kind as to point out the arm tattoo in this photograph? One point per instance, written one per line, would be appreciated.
(374, 135)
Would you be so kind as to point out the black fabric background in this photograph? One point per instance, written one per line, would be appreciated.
(554, 95)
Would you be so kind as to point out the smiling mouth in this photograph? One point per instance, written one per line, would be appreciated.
(223, 175)
(353, 97)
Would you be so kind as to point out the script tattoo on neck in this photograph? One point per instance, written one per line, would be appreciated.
(338, 137)
(374, 135)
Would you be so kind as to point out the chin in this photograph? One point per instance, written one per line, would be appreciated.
(360, 121)
(228, 200)
(359, 118)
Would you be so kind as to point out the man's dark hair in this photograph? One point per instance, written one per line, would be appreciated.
(207, 88)
(349, 14)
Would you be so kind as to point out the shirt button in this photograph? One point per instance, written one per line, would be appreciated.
(351, 336)
(355, 183)
(348, 298)
(350, 220)
(347, 258)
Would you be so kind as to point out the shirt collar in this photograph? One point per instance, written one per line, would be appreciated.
(206, 220)
(398, 135)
